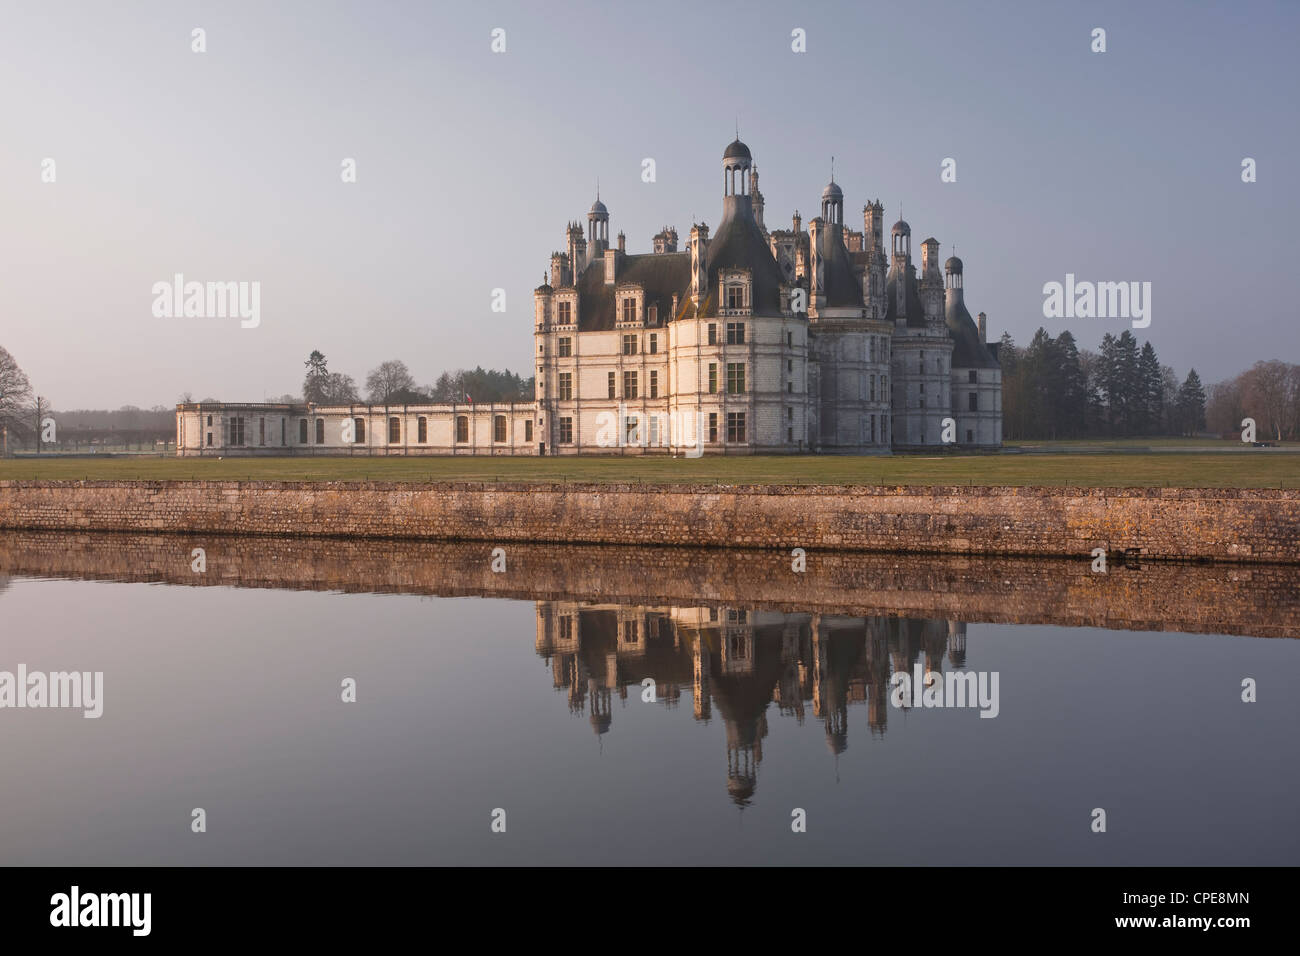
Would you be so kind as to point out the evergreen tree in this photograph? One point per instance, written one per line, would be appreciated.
(1148, 395)
(1069, 388)
(315, 386)
(1191, 404)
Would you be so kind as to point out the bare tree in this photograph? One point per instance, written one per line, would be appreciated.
(390, 382)
(15, 393)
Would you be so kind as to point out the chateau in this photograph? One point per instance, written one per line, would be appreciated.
(748, 341)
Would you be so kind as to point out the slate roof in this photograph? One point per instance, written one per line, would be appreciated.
(967, 350)
(659, 274)
(908, 302)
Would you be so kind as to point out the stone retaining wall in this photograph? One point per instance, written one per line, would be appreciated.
(1246, 525)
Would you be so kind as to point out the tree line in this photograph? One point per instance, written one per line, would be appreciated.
(1052, 389)
(391, 383)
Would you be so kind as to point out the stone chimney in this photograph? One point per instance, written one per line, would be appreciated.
(611, 265)
(982, 322)
(622, 242)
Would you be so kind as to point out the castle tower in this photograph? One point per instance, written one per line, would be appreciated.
(932, 282)
(873, 225)
(901, 235)
(542, 305)
(833, 205)
(598, 228)
(816, 266)
(560, 276)
(699, 263)
(665, 240)
(577, 250)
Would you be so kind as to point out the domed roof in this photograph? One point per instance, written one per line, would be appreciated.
(737, 150)
(598, 208)
(832, 191)
(953, 265)
(901, 228)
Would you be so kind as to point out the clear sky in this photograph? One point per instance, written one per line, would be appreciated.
(225, 166)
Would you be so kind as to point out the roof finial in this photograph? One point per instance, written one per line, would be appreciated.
(598, 189)
(832, 169)
(737, 126)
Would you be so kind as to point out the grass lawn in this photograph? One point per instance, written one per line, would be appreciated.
(1247, 469)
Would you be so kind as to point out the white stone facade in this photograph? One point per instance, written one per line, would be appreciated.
(746, 342)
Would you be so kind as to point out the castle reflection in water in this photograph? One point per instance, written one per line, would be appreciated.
(739, 661)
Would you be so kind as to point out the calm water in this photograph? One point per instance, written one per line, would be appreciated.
(228, 698)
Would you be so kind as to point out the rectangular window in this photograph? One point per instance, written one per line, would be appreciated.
(209, 436)
(629, 385)
(654, 343)
(713, 426)
(713, 334)
(499, 428)
(566, 430)
(320, 431)
(629, 344)
(566, 386)
(359, 431)
(735, 298)
(873, 388)
(736, 426)
(789, 339)
(654, 430)
(974, 401)
(462, 428)
(789, 435)
(736, 333)
(972, 377)
(302, 431)
(565, 346)
(632, 425)
(873, 429)
(612, 382)
(970, 437)
(713, 378)
(629, 310)
(654, 383)
(261, 431)
(236, 431)
(422, 430)
(789, 387)
(735, 378)
(789, 365)
(394, 430)
(564, 313)
(528, 429)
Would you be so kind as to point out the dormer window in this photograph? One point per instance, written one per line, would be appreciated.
(564, 313)
(735, 297)
(629, 309)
